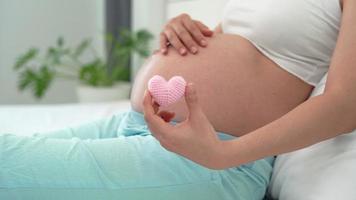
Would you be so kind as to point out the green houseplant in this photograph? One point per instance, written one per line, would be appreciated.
(38, 71)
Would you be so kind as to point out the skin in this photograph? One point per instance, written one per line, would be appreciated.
(184, 34)
(225, 73)
(312, 121)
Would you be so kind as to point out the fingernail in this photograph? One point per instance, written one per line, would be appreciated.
(194, 50)
(182, 51)
(203, 42)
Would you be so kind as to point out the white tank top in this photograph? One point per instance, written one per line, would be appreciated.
(298, 35)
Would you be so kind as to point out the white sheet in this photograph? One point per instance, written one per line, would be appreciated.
(324, 171)
(27, 119)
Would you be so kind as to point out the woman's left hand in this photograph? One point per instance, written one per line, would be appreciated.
(193, 138)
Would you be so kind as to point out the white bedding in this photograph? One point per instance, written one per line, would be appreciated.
(323, 171)
(28, 119)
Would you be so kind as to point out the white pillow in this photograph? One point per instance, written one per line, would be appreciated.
(324, 171)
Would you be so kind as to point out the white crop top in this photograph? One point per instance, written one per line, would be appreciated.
(298, 35)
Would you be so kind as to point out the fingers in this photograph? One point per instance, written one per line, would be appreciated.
(174, 40)
(148, 109)
(154, 122)
(155, 107)
(184, 34)
(195, 31)
(204, 29)
(166, 116)
(193, 105)
(163, 43)
(186, 38)
(158, 125)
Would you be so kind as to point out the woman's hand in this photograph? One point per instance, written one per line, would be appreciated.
(194, 138)
(184, 34)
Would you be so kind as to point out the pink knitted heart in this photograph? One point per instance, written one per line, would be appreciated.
(166, 93)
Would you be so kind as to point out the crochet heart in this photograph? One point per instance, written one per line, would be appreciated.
(166, 92)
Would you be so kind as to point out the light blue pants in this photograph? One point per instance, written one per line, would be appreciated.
(117, 158)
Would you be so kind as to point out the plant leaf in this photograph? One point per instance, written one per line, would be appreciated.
(38, 81)
(60, 42)
(43, 81)
(122, 73)
(81, 48)
(144, 35)
(95, 74)
(26, 79)
(25, 58)
(53, 56)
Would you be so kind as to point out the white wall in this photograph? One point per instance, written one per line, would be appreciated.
(38, 23)
(150, 15)
(207, 11)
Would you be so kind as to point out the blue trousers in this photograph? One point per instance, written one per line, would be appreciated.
(117, 158)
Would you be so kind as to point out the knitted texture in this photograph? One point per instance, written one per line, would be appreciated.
(166, 93)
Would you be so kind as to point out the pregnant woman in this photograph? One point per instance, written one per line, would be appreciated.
(246, 102)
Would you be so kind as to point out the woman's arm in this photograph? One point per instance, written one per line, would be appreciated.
(317, 119)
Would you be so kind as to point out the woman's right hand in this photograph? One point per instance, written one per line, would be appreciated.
(184, 34)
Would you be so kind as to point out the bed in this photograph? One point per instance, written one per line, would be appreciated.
(324, 171)
(29, 119)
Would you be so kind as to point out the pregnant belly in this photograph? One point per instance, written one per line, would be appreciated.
(239, 88)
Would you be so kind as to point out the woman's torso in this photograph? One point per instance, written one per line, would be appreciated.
(261, 69)
(238, 87)
(299, 35)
